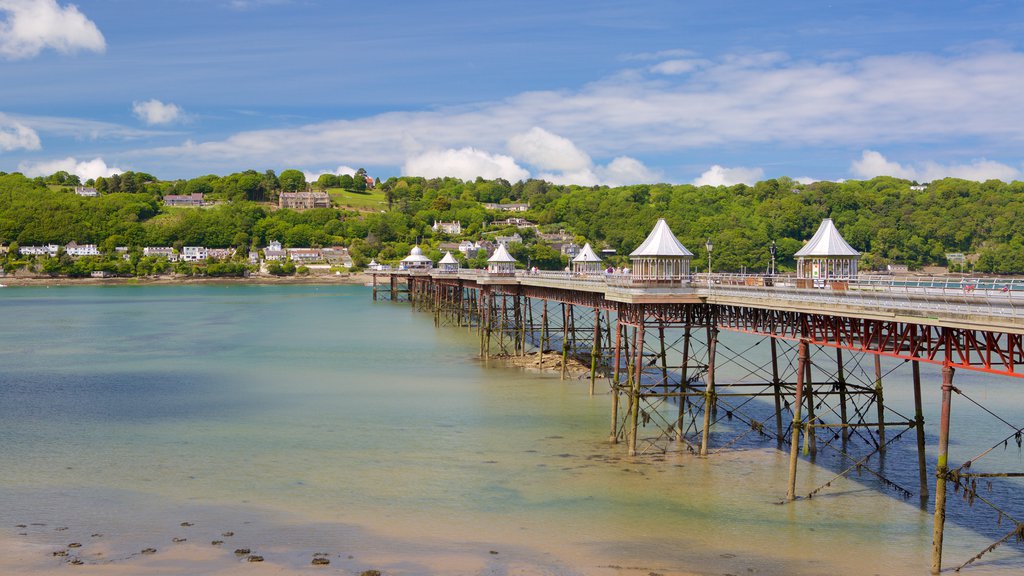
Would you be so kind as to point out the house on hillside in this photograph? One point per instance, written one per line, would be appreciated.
(194, 254)
(188, 200)
(76, 250)
(507, 207)
(161, 252)
(86, 191)
(453, 228)
(304, 200)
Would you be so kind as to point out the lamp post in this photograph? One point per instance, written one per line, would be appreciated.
(709, 246)
(772, 250)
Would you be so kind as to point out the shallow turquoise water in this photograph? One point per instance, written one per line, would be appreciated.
(307, 418)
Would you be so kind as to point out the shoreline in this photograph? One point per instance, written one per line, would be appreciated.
(323, 279)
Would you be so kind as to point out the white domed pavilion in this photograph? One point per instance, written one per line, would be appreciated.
(448, 264)
(416, 260)
(587, 261)
(501, 263)
(661, 258)
(827, 256)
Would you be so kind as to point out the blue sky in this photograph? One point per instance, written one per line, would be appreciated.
(586, 92)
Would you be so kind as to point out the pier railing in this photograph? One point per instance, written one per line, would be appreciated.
(1002, 297)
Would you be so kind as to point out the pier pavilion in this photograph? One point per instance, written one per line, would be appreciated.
(827, 257)
(661, 258)
(653, 336)
(586, 262)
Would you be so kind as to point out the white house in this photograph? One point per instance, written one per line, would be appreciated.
(76, 250)
(453, 228)
(194, 253)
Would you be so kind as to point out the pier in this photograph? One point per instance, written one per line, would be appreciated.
(651, 335)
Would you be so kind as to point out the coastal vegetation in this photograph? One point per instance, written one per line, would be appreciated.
(890, 220)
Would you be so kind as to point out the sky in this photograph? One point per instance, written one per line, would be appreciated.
(588, 92)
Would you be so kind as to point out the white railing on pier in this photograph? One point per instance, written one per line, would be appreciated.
(1003, 297)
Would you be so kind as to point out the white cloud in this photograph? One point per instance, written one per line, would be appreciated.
(625, 170)
(736, 101)
(464, 163)
(85, 169)
(872, 163)
(15, 135)
(721, 176)
(156, 112)
(548, 151)
(672, 67)
(314, 176)
(31, 26)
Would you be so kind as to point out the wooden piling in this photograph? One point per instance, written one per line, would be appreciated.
(638, 364)
(684, 377)
(810, 439)
(794, 442)
(880, 404)
(777, 390)
(615, 382)
(595, 349)
(709, 389)
(841, 382)
(922, 466)
(942, 470)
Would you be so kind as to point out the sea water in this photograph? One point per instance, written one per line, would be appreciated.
(305, 419)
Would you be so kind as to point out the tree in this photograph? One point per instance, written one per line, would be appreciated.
(326, 181)
(292, 181)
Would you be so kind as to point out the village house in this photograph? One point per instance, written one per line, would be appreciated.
(47, 250)
(561, 236)
(337, 255)
(304, 200)
(305, 255)
(274, 252)
(86, 191)
(76, 250)
(507, 207)
(161, 252)
(468, 248)
(570, 249)
(189, 200)
(506, 240)
(193, 253)
(220, 253)
(453, 228)
(513, 221)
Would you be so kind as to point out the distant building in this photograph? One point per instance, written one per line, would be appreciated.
(47, 250)
(76, 250)
(304, 200)
(506, 240)
(453, 228)
(919, 187)
(87, 191)
(220, 253)
(561, 236)
(194, 253)
(897, 268)
(336, 255)
(274, 252)
(570, 249)
(514, 221)
(191, 200)
(507, 207)
(161, 252)
(305, 254)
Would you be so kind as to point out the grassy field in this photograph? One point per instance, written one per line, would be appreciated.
(369, 200)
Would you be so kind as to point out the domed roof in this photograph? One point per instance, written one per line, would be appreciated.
(827, 241)
(587, 255)
(662, 242)
(416, 255)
